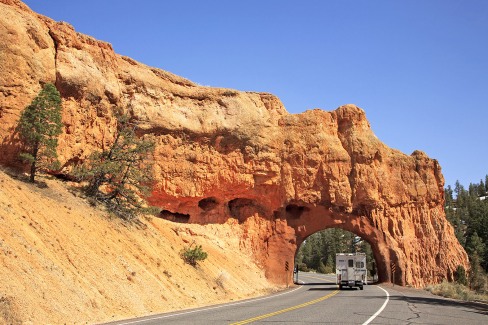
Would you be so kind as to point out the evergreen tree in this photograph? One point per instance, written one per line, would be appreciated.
(39, 127)
(330, 265)
(453, 216)
(476, 247)
(460, 275)
(470, 221)
(481, 189)
(369, 256)
(477, 276)
(119, 176)
(449, 199)
(193, 255)
(458, 188)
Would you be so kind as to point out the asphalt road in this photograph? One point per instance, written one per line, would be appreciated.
(318, 301)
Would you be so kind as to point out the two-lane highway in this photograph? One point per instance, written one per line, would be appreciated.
(318, 300)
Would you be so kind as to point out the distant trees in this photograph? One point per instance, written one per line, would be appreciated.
(319, 250)
(119, 176)
(39, 127)
(467, 210)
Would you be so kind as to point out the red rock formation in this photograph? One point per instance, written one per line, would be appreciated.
(225, 154)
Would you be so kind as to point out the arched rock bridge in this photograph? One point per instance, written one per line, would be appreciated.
(226, 155)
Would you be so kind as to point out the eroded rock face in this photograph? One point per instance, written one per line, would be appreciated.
(225, 154)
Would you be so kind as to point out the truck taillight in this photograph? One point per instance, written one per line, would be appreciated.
(339, 277)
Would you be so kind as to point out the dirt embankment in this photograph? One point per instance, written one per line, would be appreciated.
(64, 261)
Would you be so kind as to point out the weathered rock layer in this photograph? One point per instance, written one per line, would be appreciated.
(225, 154)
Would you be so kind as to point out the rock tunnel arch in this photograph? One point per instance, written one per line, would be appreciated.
(330, 242)
(307, 221)
(410, 245)
(313, 171)
(406, 247)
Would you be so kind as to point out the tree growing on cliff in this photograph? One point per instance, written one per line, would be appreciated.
(119, 176)
(39, 127)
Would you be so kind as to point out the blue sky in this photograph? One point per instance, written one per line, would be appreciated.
(419, 68)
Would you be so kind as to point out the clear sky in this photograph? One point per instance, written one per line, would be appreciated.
(419, 68)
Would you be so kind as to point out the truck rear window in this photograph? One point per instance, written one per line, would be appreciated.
(350, 263)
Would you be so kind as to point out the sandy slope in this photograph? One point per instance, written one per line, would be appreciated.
(62, 261)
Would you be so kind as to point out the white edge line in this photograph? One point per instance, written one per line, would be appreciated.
(379, 310)
(206, 309)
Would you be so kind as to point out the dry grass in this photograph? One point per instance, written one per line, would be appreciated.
(456, 291)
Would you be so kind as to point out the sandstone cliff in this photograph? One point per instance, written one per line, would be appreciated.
(224, 154)
(63, 261)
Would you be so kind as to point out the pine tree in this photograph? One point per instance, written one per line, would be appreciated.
(321, 268)
(119, 176)
(39, 127)
(477, 276)
(475, 246)
(449, 199)
(470, 221)
(330, 264)
(460, 275)
(481, 188)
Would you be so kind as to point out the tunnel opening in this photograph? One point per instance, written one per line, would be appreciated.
(317, 252)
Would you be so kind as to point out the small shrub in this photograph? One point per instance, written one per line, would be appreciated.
(455, 291)
(193, 255)
(328, 270)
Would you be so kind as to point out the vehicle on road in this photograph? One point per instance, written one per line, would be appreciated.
(351, 270)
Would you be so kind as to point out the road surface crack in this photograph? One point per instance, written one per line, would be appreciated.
(415, 311)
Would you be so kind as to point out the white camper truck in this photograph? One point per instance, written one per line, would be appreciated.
(351, 270)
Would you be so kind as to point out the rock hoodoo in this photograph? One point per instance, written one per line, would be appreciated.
(225, 154)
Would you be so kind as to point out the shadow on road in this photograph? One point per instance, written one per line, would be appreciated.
(476, 307)
(318, 283)
(324, 289)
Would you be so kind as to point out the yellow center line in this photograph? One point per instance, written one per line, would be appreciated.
(250, 320)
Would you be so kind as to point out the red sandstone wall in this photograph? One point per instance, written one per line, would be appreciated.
(227, 154)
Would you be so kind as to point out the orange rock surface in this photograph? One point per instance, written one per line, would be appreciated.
(225, 154)
(63, 261)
